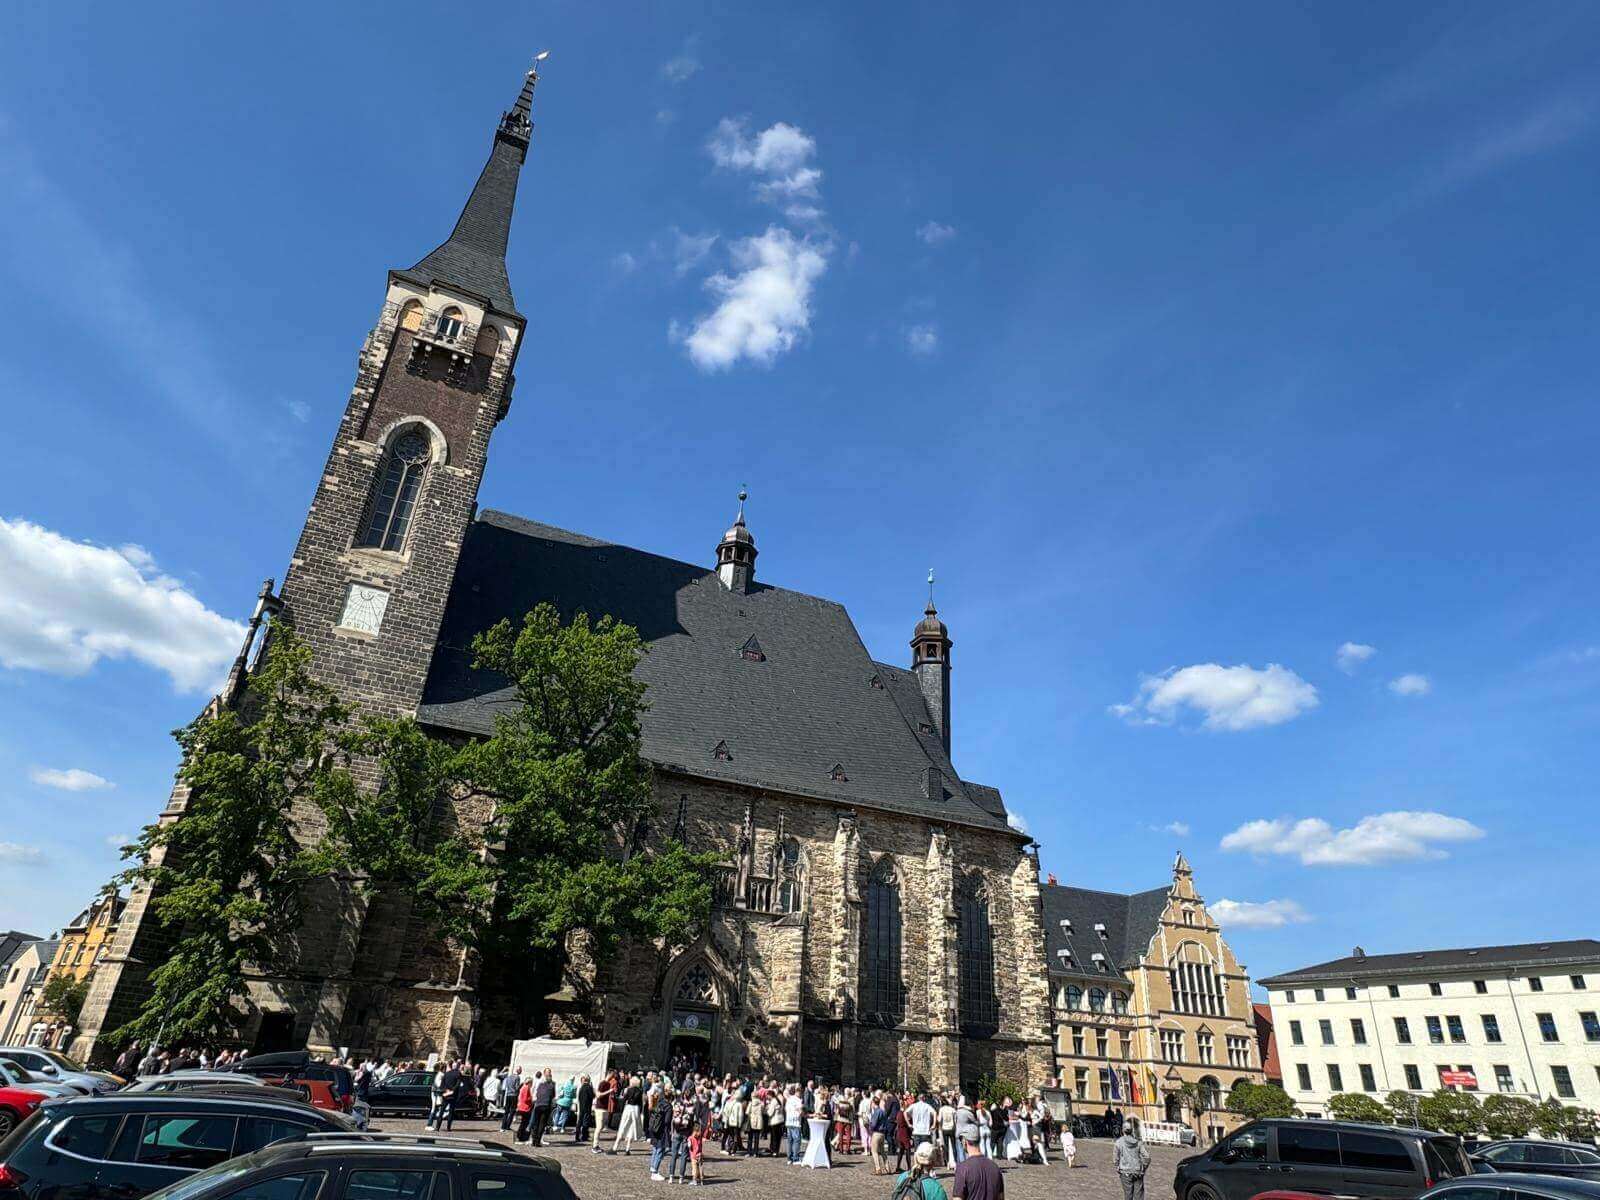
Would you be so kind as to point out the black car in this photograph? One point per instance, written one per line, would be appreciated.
(1377, 1162)
(125, 1146)
(403, 1094)
(1572, 1159)
(376, 1166)
(1523, 1187)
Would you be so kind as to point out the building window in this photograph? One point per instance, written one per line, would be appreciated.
(1127, 1046)
(1502, 1078)
(791, 876)
(1074, 995)
(1563, 1081)
(1481, 986)
(1119, 1003)
(1077, 1040)
(1316, 994)
(1402, 1031)
(1304, 1074)
(1435, 989)
(1349, 993)
(1194, 982)
(1172, 1045)
(1102, 1043)
(1080, 1082)
(1435, 1030)
(395, 494)
(1358, 1031)
(1591, 1026)
(1466, 1069)
(1535, 983)
(1238, 1051)
(1205, 1047)
(1097, 1000)
(1335, 1079)
(882, 991)
(1578, 983)
(1547, 1028)
(1457, 1033)
(1288, 997)
(1369, 1081)
(1325, 1028)
(980, 1009)
(1413, 1077)
(1491, 1027)
(1296, 1034)
(1394, 991)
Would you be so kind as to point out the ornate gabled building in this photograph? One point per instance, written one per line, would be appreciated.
(879, 917)
(1151, 1010)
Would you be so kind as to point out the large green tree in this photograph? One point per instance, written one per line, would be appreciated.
(1403, 1107)
(1508, 1116)
(227, 879)
(1448, 1111)
(1258, 1100)
(1353, 1106)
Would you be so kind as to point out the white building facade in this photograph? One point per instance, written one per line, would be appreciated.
(1523, 1020)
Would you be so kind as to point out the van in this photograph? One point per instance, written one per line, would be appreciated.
(1330, 1158)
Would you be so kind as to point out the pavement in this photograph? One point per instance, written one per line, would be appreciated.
(619, 1177)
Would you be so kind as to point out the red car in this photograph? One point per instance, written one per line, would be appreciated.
(16, 1106)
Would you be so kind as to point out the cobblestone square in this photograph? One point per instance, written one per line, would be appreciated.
(595, 1177)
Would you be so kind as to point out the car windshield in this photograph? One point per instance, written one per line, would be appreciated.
(1445, 1158)
(204, 1181)
(61, 1060)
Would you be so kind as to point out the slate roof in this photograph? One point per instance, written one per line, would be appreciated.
(1130, 921)
(12, 943)
(1532, 955)
(786, 720)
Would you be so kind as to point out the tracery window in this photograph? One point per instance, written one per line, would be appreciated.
(395, 494)
(882, 989)
(698, 985)
(980, 1008)
(1195, 985)
(791, 876)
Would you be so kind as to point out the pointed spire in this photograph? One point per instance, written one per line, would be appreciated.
(930, 610)
(736, 552)
(473, 257)
(1180, 865)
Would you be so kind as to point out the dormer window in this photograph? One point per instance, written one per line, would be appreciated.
(837, 774)
(450, 324)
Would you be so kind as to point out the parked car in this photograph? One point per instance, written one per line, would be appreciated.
(12, 1074)
(16, 1106)
(1376, 1162)
(328, 1086)
(177, 1080)
(125, 1146)
(1525, 1155)
(1523, 1187)
(58, 1068)
(403, 1094)
(379, 1166)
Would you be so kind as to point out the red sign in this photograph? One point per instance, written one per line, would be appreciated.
(1464, 1079)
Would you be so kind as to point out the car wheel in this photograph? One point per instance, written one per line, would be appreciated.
(8, 1121)
(1200, 1191)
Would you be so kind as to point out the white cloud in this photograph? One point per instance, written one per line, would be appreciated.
(300, 411)
(1175, 828)
(690, 249)
(1017, 821)
(1411, 685)
(73, 779)
(665, 116)
(1547, 127)
(922, 340)
(116, 841)
(1351, 655)
(624, 263)
(681, 67)
(1258, 914)
(765, 308)
(781, 154)
(935, 234)
(12, 854)
(65, 605)
(1379, 838)
(1230, 698)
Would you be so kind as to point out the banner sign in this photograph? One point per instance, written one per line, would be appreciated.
(691, 1024)
(1458, 1079)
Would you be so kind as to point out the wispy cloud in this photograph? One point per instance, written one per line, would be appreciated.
(683, 66)
(1258, 914)
(116, 841)
(1175, 828)
(72, 779)
(1229, 699)
(922, 340)
(624, 262)
(689, 250)
(1351, 655)
(1503, 145)
(1017, 821)
(934, 234)
(65, 605)
(1411, 685)
(1380, 838)
(16, 855)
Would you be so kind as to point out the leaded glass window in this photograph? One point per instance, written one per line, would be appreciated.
(882, 990)
(697, 985)
(395, 496)
(980, 1009)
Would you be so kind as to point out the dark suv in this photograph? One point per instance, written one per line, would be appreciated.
(378, 1166)
(1378, 1162)
(1572, 1159)
(126, 1146)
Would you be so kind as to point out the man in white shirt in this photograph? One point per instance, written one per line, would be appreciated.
(922, 1116)
(793, 1118)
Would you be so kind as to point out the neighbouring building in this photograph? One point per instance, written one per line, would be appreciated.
(1267, 1043)
(87, 936)
(1523, 1020)
(880, 917)
(20, 1021)
(1152, 1011)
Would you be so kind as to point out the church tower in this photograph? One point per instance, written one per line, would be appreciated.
(367, 585)
(930, 660)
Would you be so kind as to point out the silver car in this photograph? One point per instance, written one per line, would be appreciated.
(56, 1067)
(13, 1074)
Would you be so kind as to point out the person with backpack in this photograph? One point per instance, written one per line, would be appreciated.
(681, 1115)
(919, 1182)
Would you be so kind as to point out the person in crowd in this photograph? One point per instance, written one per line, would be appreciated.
(510, 1088)
(922, 1116)
(844, 1119)
(1131, 1159)
(584, 1099)
(544, 1099)
(756, 1118)
(566, 1098)
(658, 1128)
(794, 1107)
(920, 1181)
(525, 1106)
(1069, 1145)
(680, 1115)
(605, 1098)
(978, 1177)
(966, 1129)
(697, 1152)
(732, 1122)
(774, 1120)
(630, 1127)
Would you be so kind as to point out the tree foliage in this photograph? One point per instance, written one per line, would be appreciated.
(1403, 1107)
(1447, 1111)
(1259, 1100)
(64, 996)
(1353, 1106)
(1508, 1116)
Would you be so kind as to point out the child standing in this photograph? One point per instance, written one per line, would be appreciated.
(696, 1146)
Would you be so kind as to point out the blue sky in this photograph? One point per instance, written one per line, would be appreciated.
(1187, 345)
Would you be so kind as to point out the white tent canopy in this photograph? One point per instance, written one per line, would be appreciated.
(565, 1057)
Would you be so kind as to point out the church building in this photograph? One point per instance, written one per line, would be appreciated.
(878, 918)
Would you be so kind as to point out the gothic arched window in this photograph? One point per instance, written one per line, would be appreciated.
(980, 1009)
(791, 876)
(450, 324)
(883, 994)
(1074, 996)
(1119, 1002)
(1097, 1000)
(411, 316)
(697, 986)
(1196, 985)
(395, 494)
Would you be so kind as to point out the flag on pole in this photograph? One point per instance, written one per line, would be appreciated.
(1116, 1085)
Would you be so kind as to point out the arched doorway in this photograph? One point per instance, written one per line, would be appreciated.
(1175, 1107)
(692, 1020)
